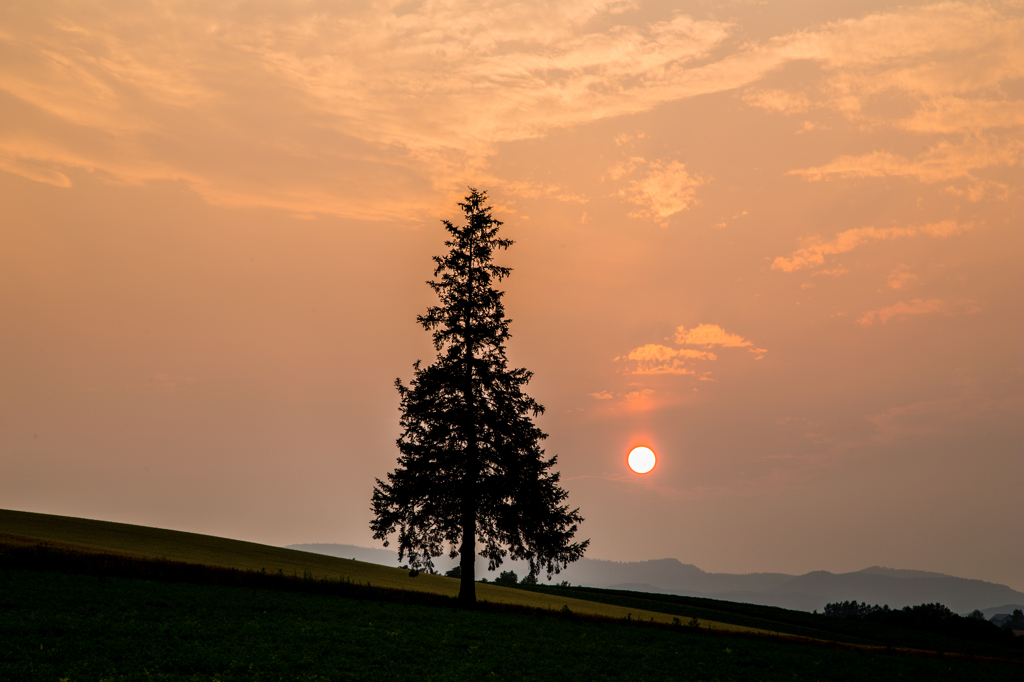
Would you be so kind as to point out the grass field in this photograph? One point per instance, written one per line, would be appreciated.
(143, 541)
(66, 626)
(800, 623)
(100, 620)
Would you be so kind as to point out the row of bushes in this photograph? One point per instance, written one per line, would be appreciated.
(935, 618)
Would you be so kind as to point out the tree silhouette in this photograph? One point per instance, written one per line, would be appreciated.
(507, 579)
(470, 465)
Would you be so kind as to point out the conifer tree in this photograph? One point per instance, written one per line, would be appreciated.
(470, 464)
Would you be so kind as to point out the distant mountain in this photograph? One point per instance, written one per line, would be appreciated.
(897, 589)
(384, 557)
(874, 585)
(1003, 608)
(670, 576)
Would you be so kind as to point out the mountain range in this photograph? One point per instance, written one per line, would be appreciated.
(808, 592)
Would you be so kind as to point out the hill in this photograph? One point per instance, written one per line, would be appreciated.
(102, 548)
(73, 625)
(21, 528)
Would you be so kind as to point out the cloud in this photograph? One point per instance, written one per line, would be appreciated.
(899, 277)
(331, 108)
(626, 167)
(709, 335)
(311, 107)
(944, 161)
(956, 114)
(654, 358)
(664, 190)
(813, 253)
(949, 61)
(916, 307)
(603, 395)
(943, 69)
(626, 138)
(34, 172)
(639, 395)
(640, 400)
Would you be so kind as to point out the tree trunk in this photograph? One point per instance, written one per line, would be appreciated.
(467, 556)
(467, 552)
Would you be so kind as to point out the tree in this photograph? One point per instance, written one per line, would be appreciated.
(507, 579)
(470, 464)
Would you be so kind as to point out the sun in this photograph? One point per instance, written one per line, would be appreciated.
(641, 459)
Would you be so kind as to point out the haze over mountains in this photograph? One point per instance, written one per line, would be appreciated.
(875, 585)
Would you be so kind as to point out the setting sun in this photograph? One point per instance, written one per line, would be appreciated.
(641, 459)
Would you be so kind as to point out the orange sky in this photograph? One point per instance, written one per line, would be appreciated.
(780, 243)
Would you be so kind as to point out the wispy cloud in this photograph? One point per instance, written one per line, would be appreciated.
(948, 59)
(957, 114)
(813, 253)
(945, 161)
(916, 307)
(312, 107)
(32, 171)
(951, 66)
(381, 91)
(900, 278)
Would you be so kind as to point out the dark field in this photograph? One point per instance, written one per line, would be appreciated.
(816, 626)
(57, 626)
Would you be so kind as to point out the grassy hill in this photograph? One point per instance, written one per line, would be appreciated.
(25, 528)
(100, 600)
(57, 625)
(92, 537)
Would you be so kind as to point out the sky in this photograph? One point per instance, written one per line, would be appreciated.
(779, 243)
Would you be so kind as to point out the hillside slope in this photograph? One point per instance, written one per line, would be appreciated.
(143, 541)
